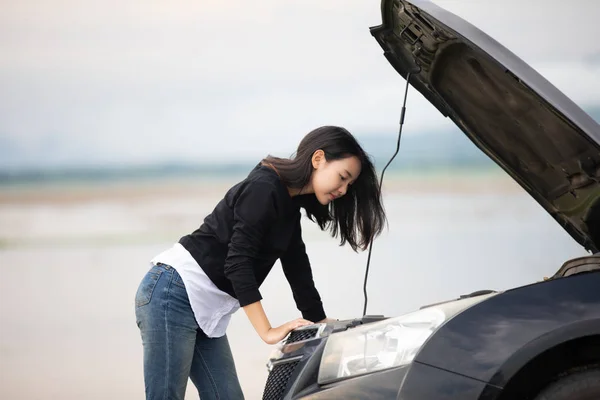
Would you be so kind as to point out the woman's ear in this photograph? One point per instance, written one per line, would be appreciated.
(318, 158)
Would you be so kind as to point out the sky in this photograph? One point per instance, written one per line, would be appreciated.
(134, 82)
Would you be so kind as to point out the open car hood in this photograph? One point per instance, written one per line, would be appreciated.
(509, 111)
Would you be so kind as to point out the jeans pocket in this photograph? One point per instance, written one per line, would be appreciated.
(146, 288)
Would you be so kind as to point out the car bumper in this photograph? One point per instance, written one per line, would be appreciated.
(413, 382)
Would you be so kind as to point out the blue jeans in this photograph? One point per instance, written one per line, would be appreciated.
(175, 348)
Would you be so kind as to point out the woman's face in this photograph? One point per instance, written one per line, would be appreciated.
(330, 179)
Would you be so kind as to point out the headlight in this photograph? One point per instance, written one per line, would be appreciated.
(386, 344)
(377, 346)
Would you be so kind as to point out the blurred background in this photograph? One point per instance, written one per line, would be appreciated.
(123, 123)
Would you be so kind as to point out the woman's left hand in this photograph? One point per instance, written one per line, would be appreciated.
(275, 335)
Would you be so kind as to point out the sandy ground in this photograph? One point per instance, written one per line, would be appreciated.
(78, 192)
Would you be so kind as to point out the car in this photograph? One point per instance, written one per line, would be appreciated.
(538, 341)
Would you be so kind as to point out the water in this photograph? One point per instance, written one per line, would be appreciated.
(71, 260)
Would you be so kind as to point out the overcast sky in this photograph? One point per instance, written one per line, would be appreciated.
(136, 81)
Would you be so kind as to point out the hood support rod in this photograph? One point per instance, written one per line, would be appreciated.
(402, 114)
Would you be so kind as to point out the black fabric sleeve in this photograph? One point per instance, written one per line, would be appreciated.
(254, 212)
(297, 270)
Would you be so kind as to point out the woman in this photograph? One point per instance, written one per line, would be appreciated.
(185, 302)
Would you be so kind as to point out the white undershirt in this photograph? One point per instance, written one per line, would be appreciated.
(211, 306)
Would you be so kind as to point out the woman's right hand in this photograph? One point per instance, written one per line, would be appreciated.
(275, 335)
(258, 318)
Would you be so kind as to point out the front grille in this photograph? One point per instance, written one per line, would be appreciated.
(303, 334)
(278, 380)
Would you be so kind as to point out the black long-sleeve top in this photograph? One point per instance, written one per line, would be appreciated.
(256, 223)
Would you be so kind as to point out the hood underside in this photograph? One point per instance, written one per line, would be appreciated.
(510, 112)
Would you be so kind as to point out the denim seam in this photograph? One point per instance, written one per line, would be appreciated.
(168, 346)
(210, 377)
(179, 284)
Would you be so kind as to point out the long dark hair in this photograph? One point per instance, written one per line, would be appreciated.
(358, 216)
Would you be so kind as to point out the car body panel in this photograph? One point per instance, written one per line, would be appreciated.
(493, 339)
(541, 138)
(380, 386)
(427, 382)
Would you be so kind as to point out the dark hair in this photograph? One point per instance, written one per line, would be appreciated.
(358, 216)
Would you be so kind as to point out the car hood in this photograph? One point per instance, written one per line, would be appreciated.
(521, 121)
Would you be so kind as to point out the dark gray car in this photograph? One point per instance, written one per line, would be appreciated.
(540, 341)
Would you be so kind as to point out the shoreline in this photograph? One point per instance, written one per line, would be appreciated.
(71, 193)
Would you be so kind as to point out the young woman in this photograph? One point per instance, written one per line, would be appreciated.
(185, 301)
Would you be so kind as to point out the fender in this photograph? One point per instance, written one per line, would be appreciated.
(541, 344)
(493, 339)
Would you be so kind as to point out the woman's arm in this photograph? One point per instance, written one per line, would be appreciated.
(260, 322)
(254, 212)
(297, 270)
